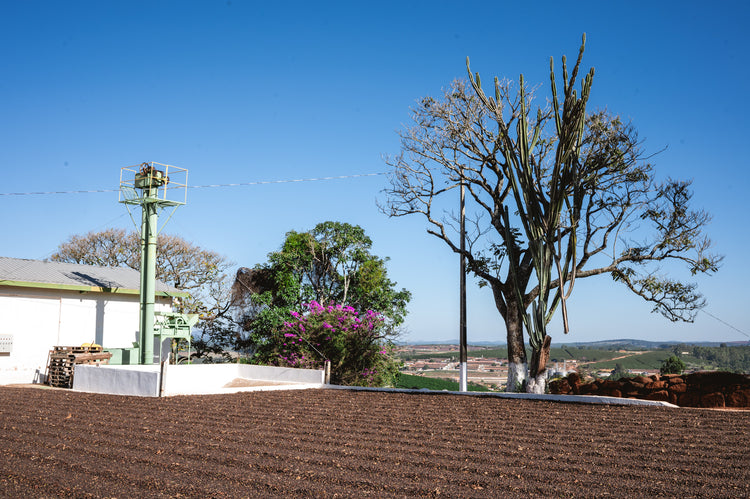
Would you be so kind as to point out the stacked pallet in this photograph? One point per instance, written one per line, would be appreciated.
(62, 362)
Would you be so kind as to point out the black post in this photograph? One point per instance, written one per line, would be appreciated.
(462, 311)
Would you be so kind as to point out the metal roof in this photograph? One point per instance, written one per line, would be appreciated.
(74, 276)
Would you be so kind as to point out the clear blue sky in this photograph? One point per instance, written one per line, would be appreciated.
(255, 91)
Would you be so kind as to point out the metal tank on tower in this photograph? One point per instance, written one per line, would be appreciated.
(154, 187)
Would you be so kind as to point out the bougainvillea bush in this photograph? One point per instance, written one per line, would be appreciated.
(355, 343)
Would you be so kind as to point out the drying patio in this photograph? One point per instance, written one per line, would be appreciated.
(355, 443)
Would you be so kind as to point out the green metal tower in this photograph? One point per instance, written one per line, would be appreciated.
(154, 186)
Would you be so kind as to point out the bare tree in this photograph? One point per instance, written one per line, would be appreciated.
(555, 190)
(187, 267)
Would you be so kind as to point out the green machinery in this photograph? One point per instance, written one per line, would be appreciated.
(153, 186)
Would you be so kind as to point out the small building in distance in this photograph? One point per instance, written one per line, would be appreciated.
(46, 304)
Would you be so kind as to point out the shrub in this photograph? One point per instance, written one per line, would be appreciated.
(355, 344)
(672, 365)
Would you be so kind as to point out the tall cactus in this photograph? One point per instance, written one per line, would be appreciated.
(548, 198)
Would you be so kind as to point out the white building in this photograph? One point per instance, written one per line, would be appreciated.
(44, 304)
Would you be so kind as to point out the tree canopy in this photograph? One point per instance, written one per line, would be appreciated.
(555, 194)
(187, 267)
(672, 365)
(331, 266)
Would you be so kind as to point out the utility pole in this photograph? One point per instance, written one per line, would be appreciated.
(462, 311)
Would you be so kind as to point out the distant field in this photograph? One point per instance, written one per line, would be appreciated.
(647, 360)
(556, 354)
(501, 353)
(728, 358)
(419, 382)
(581, 354)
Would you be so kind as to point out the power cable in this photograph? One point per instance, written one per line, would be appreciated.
(267, 182)
(54, 192)
(725, 323)
(238, 184)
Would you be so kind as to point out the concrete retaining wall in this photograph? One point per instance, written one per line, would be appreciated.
(207, 378)
(141, 381)
(188, 379)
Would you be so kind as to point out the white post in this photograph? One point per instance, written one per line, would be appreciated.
(462, 377)
(163, 376)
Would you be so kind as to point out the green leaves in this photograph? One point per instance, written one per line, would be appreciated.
(329, 264)
(672, 365)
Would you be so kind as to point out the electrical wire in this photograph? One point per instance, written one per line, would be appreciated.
(267, 182)
(725, 323)
(40, 193)
(239, 184)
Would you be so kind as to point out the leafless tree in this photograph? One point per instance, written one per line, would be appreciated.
(555, 190)
(187, 267)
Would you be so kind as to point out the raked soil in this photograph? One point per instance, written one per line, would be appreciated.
(341, 443)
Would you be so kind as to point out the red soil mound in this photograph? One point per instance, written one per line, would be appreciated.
(701, 389)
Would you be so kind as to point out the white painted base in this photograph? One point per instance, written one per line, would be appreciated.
(516, 376)
(463, 377)
(537, 385)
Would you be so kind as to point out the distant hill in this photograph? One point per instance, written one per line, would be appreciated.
(452, 342)
(651, 344)
(602, 344)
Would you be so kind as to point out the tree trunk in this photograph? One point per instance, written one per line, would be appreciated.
(511, 312)
(538, 368)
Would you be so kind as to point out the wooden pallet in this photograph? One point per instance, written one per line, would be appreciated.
(63, 359)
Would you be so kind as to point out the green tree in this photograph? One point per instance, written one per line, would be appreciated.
(549, 192)
(330, 265)
(179, 263)
(672, 365)
(618, 372)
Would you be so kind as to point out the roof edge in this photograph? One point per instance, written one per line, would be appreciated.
(92, 289)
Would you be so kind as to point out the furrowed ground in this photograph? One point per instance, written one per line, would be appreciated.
(325, 443)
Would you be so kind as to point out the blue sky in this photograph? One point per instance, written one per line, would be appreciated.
(257, 91)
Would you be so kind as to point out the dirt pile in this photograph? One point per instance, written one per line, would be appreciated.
(701, 389)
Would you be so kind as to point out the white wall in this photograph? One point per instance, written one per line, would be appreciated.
(39, 319)
(210, 378)
(145, 381)
(140, 381)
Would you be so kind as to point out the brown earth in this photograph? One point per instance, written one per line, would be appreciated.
(244, 382)
(710, 389)
(321, 443)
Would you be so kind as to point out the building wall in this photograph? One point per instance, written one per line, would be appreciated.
(39, 319)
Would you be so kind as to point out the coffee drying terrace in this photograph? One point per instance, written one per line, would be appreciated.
(321, 443)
